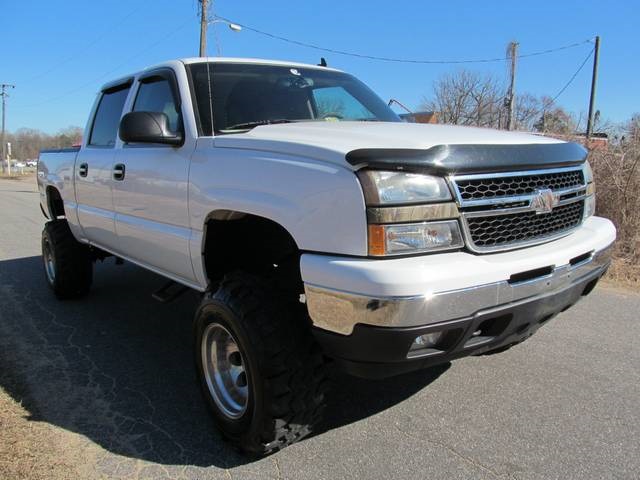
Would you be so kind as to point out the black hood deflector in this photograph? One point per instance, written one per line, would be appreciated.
(449, 159)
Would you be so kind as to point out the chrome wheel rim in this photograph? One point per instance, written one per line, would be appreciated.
(224, 371)
(49, 262)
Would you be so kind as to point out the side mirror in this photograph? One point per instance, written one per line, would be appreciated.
(148, 127)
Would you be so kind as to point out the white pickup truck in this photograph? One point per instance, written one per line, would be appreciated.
(318, 226)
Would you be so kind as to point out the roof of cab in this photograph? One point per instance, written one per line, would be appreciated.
(257, 61)
(192, 60)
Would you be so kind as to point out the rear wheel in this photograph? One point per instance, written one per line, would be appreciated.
(261, 372)
(67, 263)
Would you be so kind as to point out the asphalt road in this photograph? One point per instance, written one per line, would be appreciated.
(112, 380)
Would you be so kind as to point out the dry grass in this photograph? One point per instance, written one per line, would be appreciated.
(617, 176)
(4, 176)
(26, 177)
(33, 450)
(623, 275)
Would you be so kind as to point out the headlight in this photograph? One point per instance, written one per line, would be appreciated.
(590, 201)
(589, 206)
(393, 188)
(588, 173)
(409, 213)
(414, 238)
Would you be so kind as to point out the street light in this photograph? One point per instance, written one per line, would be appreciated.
(232, 26)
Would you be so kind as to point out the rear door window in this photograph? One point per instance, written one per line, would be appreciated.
(107, 118)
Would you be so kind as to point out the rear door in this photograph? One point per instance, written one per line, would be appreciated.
(93, 167)
(150, 194)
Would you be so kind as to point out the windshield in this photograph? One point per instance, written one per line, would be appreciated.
(248, 95)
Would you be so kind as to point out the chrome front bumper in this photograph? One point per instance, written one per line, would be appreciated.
(339, 311)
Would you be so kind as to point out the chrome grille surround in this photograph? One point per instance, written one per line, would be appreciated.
(523, 208)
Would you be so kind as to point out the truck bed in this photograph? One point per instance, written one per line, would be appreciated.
(55, 169)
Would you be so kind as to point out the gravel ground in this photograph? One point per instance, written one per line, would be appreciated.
(105, 388)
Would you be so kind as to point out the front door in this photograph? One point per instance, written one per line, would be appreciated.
(151, 186)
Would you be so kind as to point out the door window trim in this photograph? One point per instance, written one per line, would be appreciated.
(163, 73)
(111, 87)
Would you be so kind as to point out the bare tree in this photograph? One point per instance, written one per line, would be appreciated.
(471, 98)
(68, 136)
(528, 111)
(554, 119)
(468, 98)
(26, 143)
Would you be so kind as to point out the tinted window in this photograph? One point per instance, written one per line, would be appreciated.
(107, 118)
(337, 103)
(246, 94)
(157, 97)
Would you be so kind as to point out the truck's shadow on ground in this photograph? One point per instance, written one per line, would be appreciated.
(117, 367)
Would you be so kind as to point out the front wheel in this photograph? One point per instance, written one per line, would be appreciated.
(261, 372)
(67, 263)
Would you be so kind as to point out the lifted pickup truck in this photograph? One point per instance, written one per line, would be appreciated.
(318, 226)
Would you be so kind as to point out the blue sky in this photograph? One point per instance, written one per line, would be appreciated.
(59, 53)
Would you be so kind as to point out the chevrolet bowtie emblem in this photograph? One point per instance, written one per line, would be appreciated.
(543, 201)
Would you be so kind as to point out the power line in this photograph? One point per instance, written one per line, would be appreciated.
(550, 102)
(398, 60)
(573, 77)
(553, 50)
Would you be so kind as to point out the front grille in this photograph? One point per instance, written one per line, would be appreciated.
(503, 211)
(511, 186)
(505, 230)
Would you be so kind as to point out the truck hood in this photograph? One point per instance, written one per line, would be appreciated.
(408, 146)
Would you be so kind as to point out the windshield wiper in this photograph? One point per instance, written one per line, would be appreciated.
(250, 125)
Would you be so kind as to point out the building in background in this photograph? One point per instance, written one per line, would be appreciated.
(420, 117)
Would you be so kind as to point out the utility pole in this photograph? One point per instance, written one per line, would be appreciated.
(4, 96)
(511, 101)
(204, 21)
(594, 79)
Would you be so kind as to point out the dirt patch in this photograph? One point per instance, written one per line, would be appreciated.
(25, 177)
(34, 450)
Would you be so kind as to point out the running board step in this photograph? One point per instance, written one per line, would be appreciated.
(169, 292)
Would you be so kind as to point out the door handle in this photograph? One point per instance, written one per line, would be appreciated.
(118, 171)
(83, 169)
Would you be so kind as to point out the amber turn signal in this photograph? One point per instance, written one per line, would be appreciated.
(376, 240)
